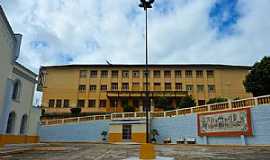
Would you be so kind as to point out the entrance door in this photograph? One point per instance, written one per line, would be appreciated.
(126, 133)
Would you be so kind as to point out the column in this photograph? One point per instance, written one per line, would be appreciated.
(152, 105)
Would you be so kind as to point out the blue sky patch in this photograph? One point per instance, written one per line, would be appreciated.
(164, 7)
(224, 15)
(39, 44)
(64, 58)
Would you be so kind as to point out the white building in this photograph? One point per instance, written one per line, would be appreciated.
(19, 120)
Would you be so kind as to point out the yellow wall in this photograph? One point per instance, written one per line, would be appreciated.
(138, 133)
(115, 137)
(138, 137)
(62, 83)
(17, 139)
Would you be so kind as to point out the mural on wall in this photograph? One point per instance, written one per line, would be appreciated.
(227, 123)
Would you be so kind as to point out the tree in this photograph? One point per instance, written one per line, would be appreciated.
(186, 102)
(75, 111)
(163, 103)
(258, 80)
(216, 100)
(128, 108)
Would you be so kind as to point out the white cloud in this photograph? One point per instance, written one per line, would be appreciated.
(91, 31)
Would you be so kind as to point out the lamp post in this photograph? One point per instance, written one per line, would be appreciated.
(145, 5)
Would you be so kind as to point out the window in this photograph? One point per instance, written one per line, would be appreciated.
(104, 74)
(93, 74)
(135, 86)
(201, 102)
(156, 74)
(199, 74)
(82, 88)
(23, 127)
(157, 87)
(114, 86)
(91, 103)
(167, 74)
(200, 88)
(11, 123)
(58, 103)
(168, 86)
(211, 88)
(178, 74)
(114, 74)
(66, 103)
(102, 103)
(81, 103)
(189, 73)
(136, 74)
(189, 87)
(103, 87)
(16, 90)
(125, 74)
(210, 73)
(178, 86)
(83, 73)
(125, 87)
(51, 103)
(93, 87)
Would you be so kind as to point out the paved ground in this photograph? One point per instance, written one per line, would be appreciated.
(87, 151)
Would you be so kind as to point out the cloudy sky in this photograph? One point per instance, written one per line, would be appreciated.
(180, 31)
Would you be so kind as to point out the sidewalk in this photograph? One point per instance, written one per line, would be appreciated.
(19, 148)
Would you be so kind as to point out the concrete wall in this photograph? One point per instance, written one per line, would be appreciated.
(174, 127)
(7, 44)
(88, 131)
(23, 105)
(186, 126)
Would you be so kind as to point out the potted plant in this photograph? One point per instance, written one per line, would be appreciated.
(154, 133)
(104, 134)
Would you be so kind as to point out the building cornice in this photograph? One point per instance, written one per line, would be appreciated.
(76, 66)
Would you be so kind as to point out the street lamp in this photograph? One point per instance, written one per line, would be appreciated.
(145, 5)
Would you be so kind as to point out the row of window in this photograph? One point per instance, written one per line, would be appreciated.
(157, 86)
(92, 103)
(59, 103)
(137, 73)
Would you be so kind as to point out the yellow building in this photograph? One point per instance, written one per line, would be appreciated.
(107, 88)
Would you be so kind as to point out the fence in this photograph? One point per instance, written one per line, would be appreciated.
(236, 104)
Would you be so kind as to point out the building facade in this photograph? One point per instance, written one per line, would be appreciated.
(109, 88)
(18, 119)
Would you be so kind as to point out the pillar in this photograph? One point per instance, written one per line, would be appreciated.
(152, 105)
(205, 140)
(243, 140)
(141, 105)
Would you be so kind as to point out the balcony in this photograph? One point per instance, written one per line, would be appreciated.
(124, 94)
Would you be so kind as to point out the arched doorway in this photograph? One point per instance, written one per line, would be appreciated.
(11, 123)
(23, 127)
